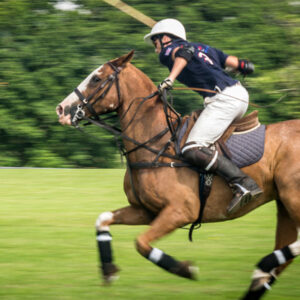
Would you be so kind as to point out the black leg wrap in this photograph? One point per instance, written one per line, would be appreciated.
(256, 295)
(104, 246)
(170, 264)
(287, 253)
(268, 263)
(163, 260)
(275, 259)
(107, 268)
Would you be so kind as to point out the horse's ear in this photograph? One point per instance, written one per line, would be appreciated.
(123, 60)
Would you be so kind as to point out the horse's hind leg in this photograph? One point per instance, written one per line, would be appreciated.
(169, 219)
(286, 248)
(128, 216)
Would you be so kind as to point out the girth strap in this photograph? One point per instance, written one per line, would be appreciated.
(203, 198)
(157, 164)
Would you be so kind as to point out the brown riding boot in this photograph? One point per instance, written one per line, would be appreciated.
(244, 187)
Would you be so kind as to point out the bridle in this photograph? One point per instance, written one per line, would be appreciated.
(79, 113)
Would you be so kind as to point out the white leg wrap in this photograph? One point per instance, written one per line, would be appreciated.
(104, 217)
(280, 257)
(295, 248)
(155, 255)
(103, 238)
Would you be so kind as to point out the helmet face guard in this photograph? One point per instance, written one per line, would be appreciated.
(156, 37)
(167, 26)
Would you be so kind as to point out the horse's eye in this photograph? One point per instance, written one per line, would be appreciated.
(95, 78)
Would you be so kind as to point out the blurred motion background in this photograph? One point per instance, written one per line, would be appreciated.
(48, 47)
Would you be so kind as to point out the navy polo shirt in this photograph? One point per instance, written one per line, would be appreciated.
(205, 69)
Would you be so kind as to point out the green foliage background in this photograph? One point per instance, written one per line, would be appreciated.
(45, 53)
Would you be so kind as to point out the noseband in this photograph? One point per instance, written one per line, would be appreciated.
(79, 113)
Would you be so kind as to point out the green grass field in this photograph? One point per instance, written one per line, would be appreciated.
(48, 248)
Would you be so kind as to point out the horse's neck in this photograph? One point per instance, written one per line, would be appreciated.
(150, 119)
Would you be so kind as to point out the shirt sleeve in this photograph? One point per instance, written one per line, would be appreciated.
(221, 56)
(165, 56)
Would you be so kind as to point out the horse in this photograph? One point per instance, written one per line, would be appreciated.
(166, 197)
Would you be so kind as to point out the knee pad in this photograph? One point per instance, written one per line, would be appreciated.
(204, 158)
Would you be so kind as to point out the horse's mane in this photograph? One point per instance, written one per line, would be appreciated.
(141, 75)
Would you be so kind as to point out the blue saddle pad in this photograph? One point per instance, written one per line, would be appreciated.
(247, 148)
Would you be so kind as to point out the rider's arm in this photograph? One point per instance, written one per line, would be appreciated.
(179, 65)
(232, 62)
(181, 56)
(242, 65)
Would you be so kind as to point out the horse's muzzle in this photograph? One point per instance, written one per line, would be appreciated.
(77, 114)
(63, 117)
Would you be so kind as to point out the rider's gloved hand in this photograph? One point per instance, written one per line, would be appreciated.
(245, 66)
(167, 84)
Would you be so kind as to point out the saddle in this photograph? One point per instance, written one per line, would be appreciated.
(247, 123)
(245, 131)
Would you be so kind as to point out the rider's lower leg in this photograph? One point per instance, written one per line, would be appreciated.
(244, 187)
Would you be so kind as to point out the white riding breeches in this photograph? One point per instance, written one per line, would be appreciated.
(219, 112)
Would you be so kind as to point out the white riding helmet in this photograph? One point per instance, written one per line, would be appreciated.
(166, 26)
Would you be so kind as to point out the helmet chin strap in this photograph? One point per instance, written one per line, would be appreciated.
(162, 45)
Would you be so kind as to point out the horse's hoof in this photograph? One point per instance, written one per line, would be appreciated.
(109, 273)
(194, 272)
(188, 270)
(107, 280)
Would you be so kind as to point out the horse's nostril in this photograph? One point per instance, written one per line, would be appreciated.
(59, 110)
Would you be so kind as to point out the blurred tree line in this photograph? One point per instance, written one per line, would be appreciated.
(46, 52)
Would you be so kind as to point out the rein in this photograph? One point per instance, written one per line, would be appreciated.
(79, 114)
(117, 132)
(216, 92)
(173, 127)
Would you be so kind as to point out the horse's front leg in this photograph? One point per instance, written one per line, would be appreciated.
(169, 219)
(128, 216)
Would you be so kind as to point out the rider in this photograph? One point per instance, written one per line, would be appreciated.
(225, 100)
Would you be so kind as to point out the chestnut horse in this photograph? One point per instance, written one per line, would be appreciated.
(167, 198)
